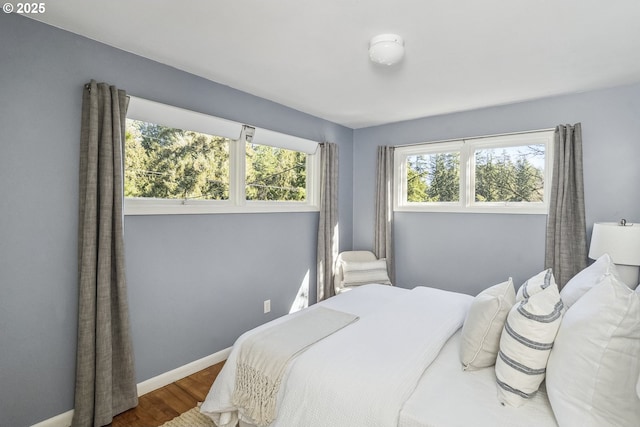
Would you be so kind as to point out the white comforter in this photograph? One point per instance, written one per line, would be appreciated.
(448, 396)
(363, 374)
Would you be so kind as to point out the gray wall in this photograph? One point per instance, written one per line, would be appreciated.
(195, 281)
(469, 252)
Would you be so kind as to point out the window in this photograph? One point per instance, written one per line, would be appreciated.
(433, 175)
(168, 163)
(179, 161)
(504, 174)
(275, 174)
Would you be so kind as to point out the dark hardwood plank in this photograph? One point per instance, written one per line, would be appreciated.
(198, 384)
(162, 405)
(175, 398)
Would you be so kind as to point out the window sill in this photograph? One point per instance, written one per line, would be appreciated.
(495, 209)
(177, 207)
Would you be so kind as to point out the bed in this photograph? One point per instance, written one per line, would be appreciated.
(399, 365)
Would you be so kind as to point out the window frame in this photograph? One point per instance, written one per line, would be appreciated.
(467, 148)
(167, 115)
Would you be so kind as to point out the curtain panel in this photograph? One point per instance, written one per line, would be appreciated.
(566, 237)
(105, 380)
(383, 233)
(328, 234)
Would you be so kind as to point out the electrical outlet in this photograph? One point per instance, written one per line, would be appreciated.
(267, 306)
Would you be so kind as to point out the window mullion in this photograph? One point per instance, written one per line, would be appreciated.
(237, 171)
(465, 173)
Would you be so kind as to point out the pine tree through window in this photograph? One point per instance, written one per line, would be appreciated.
(169, 163)
(507, 173)
(179, 161)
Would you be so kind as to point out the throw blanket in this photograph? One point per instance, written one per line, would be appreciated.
(263, 357)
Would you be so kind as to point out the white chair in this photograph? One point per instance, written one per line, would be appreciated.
(354, 256)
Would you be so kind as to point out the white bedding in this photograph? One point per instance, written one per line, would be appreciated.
(447, 396)
(377, 372)
(263, 359)
(362, 374)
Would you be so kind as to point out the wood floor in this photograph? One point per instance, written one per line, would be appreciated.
(162, 405)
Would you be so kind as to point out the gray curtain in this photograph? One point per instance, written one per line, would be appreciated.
(328, 235)
(105, 380)
(566, 240)
(383, 235)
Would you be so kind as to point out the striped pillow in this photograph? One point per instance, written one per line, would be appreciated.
(525, 344)
(537, 283)
(356, 273)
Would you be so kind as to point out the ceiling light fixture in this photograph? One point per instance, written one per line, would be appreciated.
(386, 49)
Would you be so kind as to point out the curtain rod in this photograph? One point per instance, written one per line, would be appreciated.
(476, 137)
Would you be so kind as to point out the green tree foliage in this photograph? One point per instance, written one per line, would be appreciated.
(168, 163)
(501, 179)
(498, 177)
(433, 178)
(445, 182)
(417, 187)
(275, 173)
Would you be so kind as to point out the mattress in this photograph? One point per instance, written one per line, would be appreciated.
(447, 396)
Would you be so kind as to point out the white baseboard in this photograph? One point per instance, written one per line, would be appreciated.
(64, 420)
(181, 372)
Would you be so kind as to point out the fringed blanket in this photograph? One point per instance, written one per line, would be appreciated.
(263, 358)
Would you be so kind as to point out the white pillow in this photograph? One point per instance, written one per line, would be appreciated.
(483, 326)
(355, 273)
(587, 279)
(537, 283)
(594, 367)
(525, 344)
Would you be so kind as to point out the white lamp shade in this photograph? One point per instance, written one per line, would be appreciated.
(622, 243)
(386, 49)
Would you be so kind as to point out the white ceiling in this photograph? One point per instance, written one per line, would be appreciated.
(312, 55)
